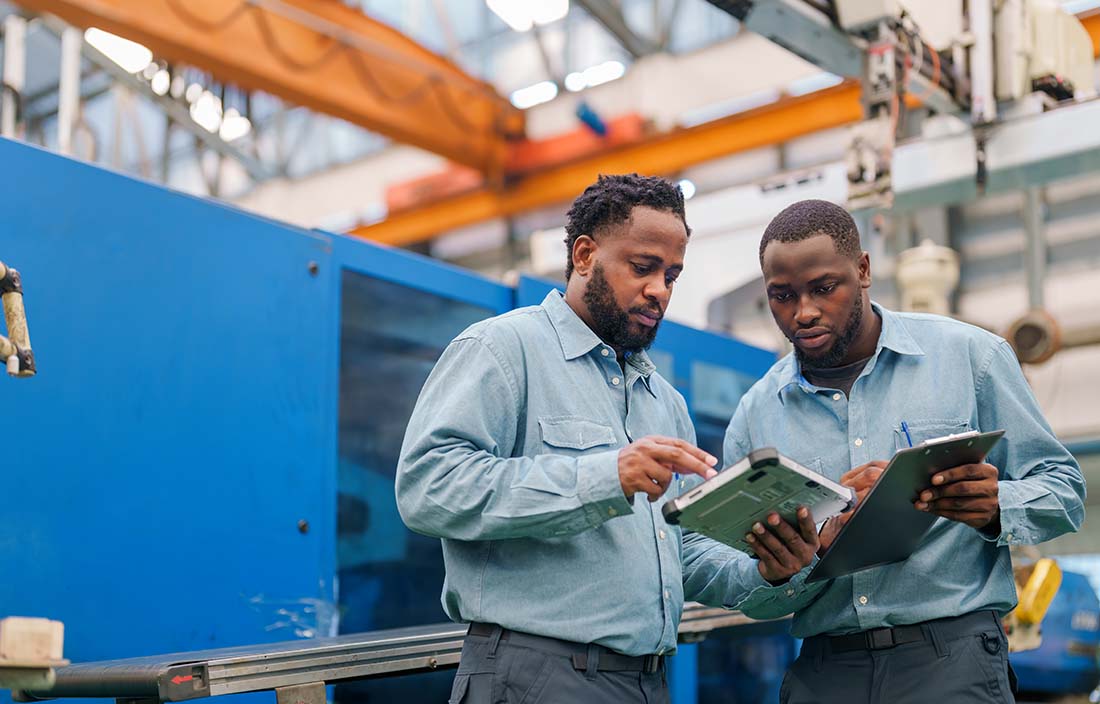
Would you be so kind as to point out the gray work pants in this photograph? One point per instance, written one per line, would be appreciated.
(523, 669)
(960, 661)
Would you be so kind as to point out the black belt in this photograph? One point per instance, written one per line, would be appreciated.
(876, 639)
(609, 660)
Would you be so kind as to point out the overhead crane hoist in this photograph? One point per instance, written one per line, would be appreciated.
(997, 62)
(15, 350)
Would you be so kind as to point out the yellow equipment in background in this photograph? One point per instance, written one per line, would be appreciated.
(1036, 585)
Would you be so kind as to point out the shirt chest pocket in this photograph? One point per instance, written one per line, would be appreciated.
(572, 435)
(927, 429)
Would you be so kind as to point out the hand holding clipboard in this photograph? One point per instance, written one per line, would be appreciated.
(862, 544)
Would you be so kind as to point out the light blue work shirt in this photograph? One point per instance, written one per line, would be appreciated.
(511, 458)
(939, 376)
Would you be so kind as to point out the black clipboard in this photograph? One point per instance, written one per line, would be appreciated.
(863, 543)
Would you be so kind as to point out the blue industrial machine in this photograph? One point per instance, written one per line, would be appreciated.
(1066, 660)
(206, 457)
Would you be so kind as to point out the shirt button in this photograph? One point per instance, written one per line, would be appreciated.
(604, 352)
(836, 397)
(661, 534)
(863, 601)
(859, 442)
(667, 594)
(790, 592)
(1008, 537)
(611, 511)
(615, 380)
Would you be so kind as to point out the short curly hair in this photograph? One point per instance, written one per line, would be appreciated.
(809, 218)
(609, 202)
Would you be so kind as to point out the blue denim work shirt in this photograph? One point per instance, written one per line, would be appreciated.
(511, 458)
(939, 376)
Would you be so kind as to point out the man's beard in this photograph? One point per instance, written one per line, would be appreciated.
(613, 324)
(843, 343)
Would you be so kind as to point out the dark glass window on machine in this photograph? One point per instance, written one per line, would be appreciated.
(390, 338)
(714, 394)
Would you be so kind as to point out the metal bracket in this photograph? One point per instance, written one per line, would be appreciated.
(312, 693)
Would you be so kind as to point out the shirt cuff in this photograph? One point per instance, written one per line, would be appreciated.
(599, 488)
(765, 591)
(1013, 498)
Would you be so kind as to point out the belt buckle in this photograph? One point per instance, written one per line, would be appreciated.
(880, 638)
(651, 663)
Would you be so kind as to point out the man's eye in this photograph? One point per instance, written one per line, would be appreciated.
(781, 297)
(827, 289)
(640, 269)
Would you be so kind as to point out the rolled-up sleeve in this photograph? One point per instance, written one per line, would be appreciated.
(457, 478)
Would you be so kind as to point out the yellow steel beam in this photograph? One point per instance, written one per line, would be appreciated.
(324, 55)
(784, 120)
(668, 153)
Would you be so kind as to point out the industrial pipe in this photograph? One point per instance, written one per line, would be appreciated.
(16, 351)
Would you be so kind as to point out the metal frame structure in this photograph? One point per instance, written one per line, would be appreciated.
(800, 26)
(302, 667)
(324, 55)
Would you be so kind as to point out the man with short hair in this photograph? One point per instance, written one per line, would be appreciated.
(862, 383)
(526, 453)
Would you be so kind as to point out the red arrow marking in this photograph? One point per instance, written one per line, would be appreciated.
(180, 679)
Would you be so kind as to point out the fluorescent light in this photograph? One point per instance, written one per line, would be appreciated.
(160, 82)
(594, 75)
(541, 92)
(193, 93)
(603, 73)
(234, 125)
(547, 11)
(521, 15)
(207, 111)
(688, 188)
(575, 82)
(131, 56)
(515, 13)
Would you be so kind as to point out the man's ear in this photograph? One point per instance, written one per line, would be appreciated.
(865, 270)
(584, 255)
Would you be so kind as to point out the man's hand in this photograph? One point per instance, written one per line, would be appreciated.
(647, 465)
(861, 479)
(782, 551)
(967, 494)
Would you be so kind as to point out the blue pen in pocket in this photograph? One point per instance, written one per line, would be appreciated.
(905, 429)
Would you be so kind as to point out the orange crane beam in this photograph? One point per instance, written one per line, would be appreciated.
(326, 56)
(668, 153)
(1091, 22)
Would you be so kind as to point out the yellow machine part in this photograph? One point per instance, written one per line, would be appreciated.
(1038, 591)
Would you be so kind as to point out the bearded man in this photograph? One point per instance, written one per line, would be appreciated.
(526, 453)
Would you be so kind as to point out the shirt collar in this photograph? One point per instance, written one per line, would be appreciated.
(893, 336)
(577, 339)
